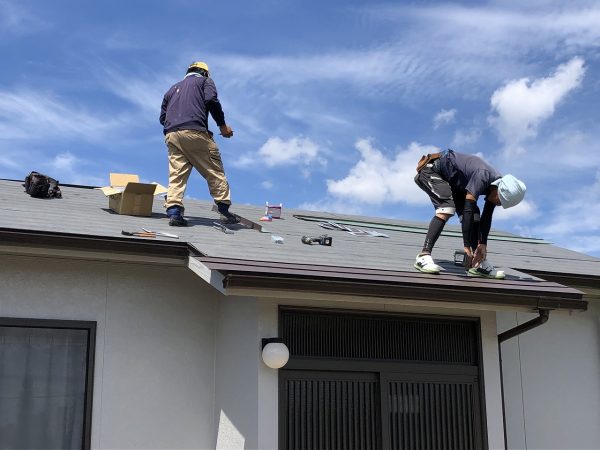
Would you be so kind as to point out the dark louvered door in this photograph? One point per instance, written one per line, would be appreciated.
(359, 380)
(431, 412)
(331, 410)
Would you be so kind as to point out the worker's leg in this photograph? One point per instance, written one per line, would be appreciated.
(440, 194)
(202, 151)
(436, 226)
(179, 171)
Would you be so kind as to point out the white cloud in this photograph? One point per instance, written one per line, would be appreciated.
(9, 162)
(65, 166)
(71, 169)
(267, 185)
(444, 117)
(504, 28)
(472, 46)
(64, 161)
(475, 46)
(522, 105)
(475, 50)
(383, 65)
(526, 210)
(571, 222)
(589, 244)
(17, 20)
(144, 92)
(464, 138)
(279, 152)
(376, 179)
(24, 111)
(333, 206)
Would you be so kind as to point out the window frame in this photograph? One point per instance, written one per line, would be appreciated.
(60, 324)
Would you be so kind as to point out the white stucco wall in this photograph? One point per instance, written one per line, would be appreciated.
(156, 327)
(552, 381)
(237, 366)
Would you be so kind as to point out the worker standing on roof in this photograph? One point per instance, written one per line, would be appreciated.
(184, 116)
(453, 182)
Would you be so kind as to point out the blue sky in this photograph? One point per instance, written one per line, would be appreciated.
(332, 103)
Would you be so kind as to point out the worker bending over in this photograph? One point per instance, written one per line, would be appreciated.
(453, 182)
(184, 116)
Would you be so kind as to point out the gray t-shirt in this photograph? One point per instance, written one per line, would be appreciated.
(467, 173)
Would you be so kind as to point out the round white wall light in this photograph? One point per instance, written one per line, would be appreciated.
(275, 353)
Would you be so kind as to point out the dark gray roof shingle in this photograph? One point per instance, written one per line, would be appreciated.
(85, 211)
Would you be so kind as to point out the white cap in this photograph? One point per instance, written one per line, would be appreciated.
(510, 190)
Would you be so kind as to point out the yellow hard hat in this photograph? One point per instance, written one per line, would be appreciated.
(198, 65)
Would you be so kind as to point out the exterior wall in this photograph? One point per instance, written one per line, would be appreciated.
(552, 381)
(154, 372)
(237, 367)
(178, 365)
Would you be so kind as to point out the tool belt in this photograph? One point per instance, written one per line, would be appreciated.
(426, 159)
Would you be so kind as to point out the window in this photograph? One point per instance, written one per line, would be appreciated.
(46, 374)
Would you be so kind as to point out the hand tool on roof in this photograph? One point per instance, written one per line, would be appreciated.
(139, 234)
(321, 240)
(219, 226)
(462, 259)
(245, 222)
(160, 233)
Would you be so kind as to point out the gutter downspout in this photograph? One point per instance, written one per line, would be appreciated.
(508, 334)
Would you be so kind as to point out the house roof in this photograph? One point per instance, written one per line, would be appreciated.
(84, 212)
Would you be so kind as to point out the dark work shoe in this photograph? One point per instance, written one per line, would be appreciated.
(222, 207)
(230, 218)
(178, 221)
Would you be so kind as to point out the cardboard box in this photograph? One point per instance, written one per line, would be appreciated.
(273, 210)
(126, 195)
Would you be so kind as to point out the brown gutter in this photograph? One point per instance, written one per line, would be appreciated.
(524, 291)
(529, 325)
(407, 290)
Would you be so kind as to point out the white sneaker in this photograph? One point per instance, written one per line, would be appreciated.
(425, 264)
(486, 270)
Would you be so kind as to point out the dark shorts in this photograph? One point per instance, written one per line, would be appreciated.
(444, 199)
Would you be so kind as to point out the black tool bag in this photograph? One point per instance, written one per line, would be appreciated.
(41, 186)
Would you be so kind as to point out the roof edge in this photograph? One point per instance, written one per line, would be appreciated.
(71, 241)
(241, 274)
(401, 291)
(567, 279)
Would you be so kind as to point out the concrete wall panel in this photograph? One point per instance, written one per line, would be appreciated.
(154, 374)
(552, 376)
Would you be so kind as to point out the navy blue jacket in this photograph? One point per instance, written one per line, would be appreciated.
(186, 105)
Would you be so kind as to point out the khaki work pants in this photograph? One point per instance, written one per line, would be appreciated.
(194, 149)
